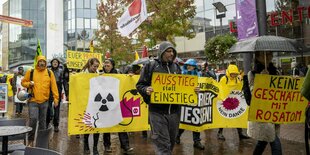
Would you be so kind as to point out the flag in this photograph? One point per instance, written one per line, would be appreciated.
(144, 52)
(38, 53)
(133, 16)
(91, 46)
(137, 56)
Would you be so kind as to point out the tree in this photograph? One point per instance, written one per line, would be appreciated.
(108, 37)
(170, 18)
(216, 48)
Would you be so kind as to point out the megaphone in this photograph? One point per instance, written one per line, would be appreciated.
(23, 95)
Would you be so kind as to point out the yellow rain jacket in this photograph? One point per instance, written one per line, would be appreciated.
(43, 84)
(228, 83)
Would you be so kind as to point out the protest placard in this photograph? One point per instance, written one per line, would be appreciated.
(77, 60)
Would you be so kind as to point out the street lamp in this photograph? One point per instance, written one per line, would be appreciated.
(220, 7)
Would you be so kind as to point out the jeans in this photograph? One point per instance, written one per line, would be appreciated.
(196, 135)
(164, 129)
(37, 112)
(96, 139)
(19, 107)
(276, 148)
(54, 113)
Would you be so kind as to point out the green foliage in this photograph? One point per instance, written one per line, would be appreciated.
(170, 18)
(108, 37)
(216, 48)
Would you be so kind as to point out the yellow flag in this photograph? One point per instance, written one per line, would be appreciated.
(137, 56)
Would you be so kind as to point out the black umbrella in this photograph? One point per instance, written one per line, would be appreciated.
(265, 43)
(141, 61)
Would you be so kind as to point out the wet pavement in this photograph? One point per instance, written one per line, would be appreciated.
(292, 139)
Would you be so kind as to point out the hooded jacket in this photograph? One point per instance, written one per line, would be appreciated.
(227, 79)
(161, 67)
(43, 84)
(58, 72)
(191, 62)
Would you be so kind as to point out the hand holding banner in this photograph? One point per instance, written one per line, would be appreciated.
(174, 89)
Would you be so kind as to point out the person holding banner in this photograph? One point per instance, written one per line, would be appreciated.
(109, 68)
(16, 87)
(264, 133)
(190, 67)
(230, 80)
(91, 67)
(164, 118)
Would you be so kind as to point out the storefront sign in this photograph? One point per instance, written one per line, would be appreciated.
(287, 16)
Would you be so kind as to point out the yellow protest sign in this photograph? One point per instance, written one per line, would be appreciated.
(104, 104)
(211, 111)
(277, 99)
(174, 89)
(77, 59)
(8, 79)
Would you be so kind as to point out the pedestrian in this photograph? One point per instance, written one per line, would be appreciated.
(294, 70)
(164, 118)
(53, 112)
(91, 67)
(109, 68)
(206, 72)
(40, 83)
(16, 87)
(66, 74)
(263, 132)
(231, 80)
(190, 67)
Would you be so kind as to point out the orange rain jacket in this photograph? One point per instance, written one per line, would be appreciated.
(43, 84)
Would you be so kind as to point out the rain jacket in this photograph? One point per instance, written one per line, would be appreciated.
(43, 84)
(191, 62)
(228, 83)
(161, 67)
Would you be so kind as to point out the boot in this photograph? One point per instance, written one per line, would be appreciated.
(127, 149)
(108, 149)
(220, 136)
(241, 135)
(86, 149)
(178, 140)
(95, 151)
(198, 145)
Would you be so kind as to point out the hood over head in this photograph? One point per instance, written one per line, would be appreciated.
(56, 60)
(163, 47)
(232, 69)
(41, 57)
(191, 62)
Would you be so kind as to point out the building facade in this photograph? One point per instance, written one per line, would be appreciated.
(80, 24)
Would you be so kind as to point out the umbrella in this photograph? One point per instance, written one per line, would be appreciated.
(141, 61)
(265, 43)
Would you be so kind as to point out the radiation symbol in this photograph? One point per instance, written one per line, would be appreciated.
(104, 101)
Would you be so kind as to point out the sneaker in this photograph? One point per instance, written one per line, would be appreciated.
(242, 136)
(56, 129)
(86, 149)
(95, 151)
(128, 149)
(178, 140)
(108, 149)
(198, 145)
(220, 136)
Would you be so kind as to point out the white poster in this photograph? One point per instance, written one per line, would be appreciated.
(19, 88)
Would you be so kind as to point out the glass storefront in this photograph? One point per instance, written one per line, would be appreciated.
(23, 40)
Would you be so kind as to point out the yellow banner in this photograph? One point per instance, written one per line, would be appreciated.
(211, 112)
(8, 79)
(277, 99)
(174, 89)
(77, 59)
(104, 104)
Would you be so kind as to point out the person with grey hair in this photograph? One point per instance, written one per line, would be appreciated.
(294, 69)
(164, 119)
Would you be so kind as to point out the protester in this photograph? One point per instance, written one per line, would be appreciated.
(294, 70)
(206, 72)
(53, 112)
(190, 67)
(66, 74)
(40, 82)
(231, 79)
(16, 87)
(109, 68)
(264, 133)
(91, 67)
(164, 118)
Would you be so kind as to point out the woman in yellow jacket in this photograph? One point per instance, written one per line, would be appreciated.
(40, 84)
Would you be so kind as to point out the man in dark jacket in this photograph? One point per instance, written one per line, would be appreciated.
(164, 118)
(54, 113)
